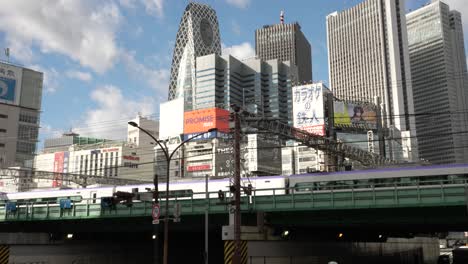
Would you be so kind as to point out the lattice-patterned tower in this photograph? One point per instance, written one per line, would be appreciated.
(198, 35)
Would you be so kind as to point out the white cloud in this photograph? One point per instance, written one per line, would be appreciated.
(158, 79)
(128, 3)
(79, 75)
(46, 131)
(113, 110)
(82, 30)
(51, 78)
(242, 51)
(152, 7)
(239, 3)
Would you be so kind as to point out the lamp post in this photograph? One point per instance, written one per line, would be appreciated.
(155, 193)
(168, 157)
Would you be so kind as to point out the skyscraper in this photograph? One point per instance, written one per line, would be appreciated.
(198, 35)
(261, 87)
(368, 58)
(20, 109)
(439, 77)
(285, 42)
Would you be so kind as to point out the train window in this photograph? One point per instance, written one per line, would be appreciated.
(94, 197)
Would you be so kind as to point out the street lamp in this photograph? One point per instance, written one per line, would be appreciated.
(168, 162)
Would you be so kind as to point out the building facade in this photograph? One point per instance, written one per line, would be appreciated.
(258, 86)
(71, 153)
(198, 35)
(368, 59)
(285, 42)
(20, 105)
(440, 82)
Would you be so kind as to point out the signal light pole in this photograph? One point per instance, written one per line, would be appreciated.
(237, 187)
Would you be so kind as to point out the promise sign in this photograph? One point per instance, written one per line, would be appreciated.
(202, 120)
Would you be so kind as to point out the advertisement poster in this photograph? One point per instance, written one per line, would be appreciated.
(202, 120)
(60, 166)
(308, 108)
(10, 83)
(349, 115)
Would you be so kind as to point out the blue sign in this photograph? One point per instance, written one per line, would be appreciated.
(7, 89)
(207, 135)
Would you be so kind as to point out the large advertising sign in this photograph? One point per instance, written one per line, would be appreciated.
(202, 120)
(60, 166)
(308, 108)
(171, 122)
(10, 83)
(354, 115)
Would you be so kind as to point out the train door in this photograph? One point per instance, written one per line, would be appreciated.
(93, 196)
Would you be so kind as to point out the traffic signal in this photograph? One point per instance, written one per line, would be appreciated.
(221, 195)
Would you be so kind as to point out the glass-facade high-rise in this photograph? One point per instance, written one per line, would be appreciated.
(260, 87)
(198, 35)
(440, 80)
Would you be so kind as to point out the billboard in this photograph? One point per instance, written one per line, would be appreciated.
(171, 121)
(202, 120)
(60, 166)
(203, 167)
(354, 115)
(10, 83)
(308, 108)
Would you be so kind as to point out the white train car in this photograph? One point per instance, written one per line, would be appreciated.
(184, 189)
(405, 176)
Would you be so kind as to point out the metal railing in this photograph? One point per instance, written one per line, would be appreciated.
(333, 197)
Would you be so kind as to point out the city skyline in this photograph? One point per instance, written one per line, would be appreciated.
(116, 78)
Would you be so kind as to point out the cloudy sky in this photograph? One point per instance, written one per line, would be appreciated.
(107, 60)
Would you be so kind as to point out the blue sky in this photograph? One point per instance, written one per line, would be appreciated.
(106, 60)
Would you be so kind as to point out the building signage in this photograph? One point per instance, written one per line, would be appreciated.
(202, 120)
(354, 115)
(60, 166)
(131, 158)
(308, 108)
(10, 83)
(199, 167)
(207, 135)
(110, 150)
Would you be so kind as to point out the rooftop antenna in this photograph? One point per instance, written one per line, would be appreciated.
(7, 54)
(282, 17)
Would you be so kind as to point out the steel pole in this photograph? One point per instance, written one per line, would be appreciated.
(156, 227)
(237, 214)
(206, 218)
(166, 216)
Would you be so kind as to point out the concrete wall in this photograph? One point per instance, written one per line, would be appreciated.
(410, 251)
(78, 254)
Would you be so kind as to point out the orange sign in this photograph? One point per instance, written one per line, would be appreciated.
(202, 120)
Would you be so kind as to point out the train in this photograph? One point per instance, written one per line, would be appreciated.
(261, 186)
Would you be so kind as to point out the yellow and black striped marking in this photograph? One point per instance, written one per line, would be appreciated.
(229, 248)
(4, 254)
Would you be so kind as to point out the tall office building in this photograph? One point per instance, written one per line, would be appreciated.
(261, 87)
(198, 35)
(20, 106)
(368, 58)
(438, 68)
(285, 42)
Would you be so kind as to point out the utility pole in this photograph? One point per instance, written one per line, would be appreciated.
(237, 189)
(207, 197)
